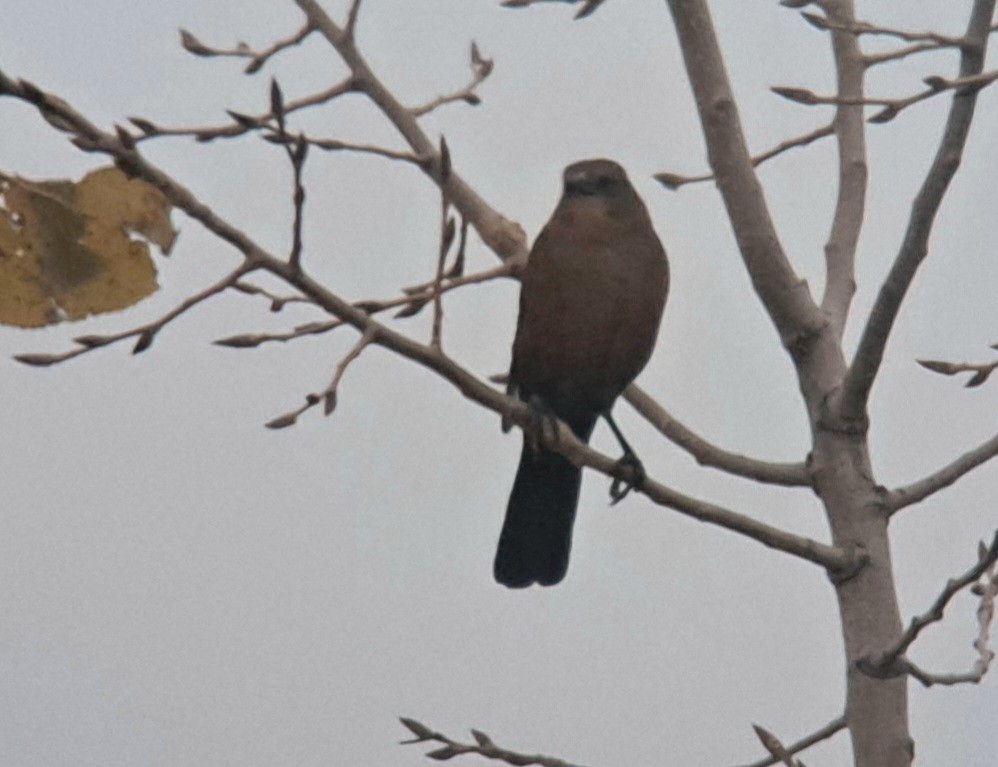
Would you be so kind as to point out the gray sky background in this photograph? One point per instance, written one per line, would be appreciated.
(184, 587)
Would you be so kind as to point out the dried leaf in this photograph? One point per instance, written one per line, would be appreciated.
(72, 252)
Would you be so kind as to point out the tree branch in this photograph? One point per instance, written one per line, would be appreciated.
(893, 661)
(917, 492)
(784, 294)
(256, 58)
(708, 454)
(506, 238)
(866, 363)
(483, 746)
(837, 560)
(850, 204)
(675, 180)
(834, 726)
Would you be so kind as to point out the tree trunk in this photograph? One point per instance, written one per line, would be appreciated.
(876, 709)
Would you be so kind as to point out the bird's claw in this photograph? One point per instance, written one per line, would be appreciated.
(619, 488)
(543, 421)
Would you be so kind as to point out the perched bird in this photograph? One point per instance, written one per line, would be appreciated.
(591, 301)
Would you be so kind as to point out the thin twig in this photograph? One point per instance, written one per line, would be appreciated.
(981, 370)
(918, 491)
(145, 333)
(506, 238)
(891, 107)
(256, 58)
(893, 661)
(674, 180)
(242, 123)
(914, 248)
(327, 396)
(784, 294)
(850, 202)
(708, 454)
(824, 733)
(351, 26)
(483, 746)
(481, 68)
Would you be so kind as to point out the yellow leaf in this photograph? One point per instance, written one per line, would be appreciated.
(67, 249)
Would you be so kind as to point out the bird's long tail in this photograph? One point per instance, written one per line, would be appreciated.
(536, 536)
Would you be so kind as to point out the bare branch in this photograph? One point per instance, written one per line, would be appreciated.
(918, 491)
(588, 6)
(775, 748)
(892, 107)
(256, 58)
(328, 395)
(981, 370)
(483, 746)
(837, 560)
(674, 180)
(481, 68)
(830, 729)
(708, 454)
(447, 229)
(784, 294)
(241, 123)
(850, 139)
(143, 333)
(893, 661)
(854, 27)
(352, 15)
(277, 303)
(914, 248)
(506, 238)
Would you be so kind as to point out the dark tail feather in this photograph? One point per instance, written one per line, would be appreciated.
(536, 536)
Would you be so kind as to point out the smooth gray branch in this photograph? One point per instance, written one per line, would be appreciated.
(850, 140)
(784, 294)
(708, 454)
(914, 247)
(916, 492)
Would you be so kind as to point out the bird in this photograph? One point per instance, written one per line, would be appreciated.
(592, 295)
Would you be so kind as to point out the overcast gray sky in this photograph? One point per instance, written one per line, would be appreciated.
(184, 587)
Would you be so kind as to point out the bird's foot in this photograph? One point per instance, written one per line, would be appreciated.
(543, 422)
(619, 488)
